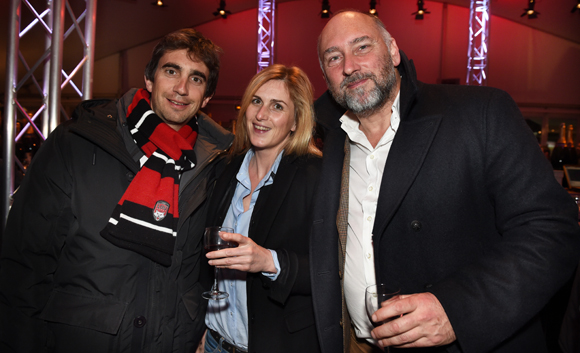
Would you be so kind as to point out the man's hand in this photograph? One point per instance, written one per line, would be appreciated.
(247, 257)
(420, 321)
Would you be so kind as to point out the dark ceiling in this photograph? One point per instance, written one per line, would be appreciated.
(123, 24)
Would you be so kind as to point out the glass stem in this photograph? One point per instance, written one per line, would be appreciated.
(215, 280)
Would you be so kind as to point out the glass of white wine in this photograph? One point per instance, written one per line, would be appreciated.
(374, 296)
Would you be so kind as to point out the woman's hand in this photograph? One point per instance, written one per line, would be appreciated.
(247, 257)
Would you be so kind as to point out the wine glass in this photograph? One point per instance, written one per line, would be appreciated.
(374, 296)
(212, 242)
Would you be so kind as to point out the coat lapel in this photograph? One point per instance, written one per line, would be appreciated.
(271, 199)
(406, 157)
(223, 192)
(342, 215)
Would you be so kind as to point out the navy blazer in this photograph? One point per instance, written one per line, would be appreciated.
(468, 209)
(280, 314)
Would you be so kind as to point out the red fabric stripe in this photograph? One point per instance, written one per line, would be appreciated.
(158, 187)
(148, 148)
(141, 94)
(175, 197)
(172, 144)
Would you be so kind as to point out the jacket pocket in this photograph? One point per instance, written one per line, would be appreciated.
(192, 299)
(95, 313)
(299, 320)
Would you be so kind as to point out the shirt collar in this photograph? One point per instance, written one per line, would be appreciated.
(350, 123)
(244, 177)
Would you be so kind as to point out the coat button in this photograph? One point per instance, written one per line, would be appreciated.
(130, 176)
(139, 321)
(416, 225)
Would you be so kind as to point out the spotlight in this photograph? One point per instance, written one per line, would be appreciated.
(577, 7)
(325, 13)
(530, 10)
(221, 11)
(420, 10)
(159, 3)
(373, 8)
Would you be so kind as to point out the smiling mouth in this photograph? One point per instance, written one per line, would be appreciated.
(355, 80)
(356, 83)
(177, 103)
(261, 128)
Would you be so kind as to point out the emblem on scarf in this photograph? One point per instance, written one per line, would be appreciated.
(160, 210)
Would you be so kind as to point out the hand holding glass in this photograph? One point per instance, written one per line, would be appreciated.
(213, 242)
(375, 295)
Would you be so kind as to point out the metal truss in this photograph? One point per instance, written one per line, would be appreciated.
(478, 39)
(51, 20)
(266, 16)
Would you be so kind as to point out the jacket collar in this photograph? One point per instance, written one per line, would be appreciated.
(96, 120)
(409, 85)
(100, 121)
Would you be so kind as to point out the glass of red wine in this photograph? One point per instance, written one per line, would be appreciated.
(213, 242)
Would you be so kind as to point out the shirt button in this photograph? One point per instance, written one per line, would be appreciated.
(370, 188)
(369, 218)
(368, 256)
(372, 156)
(231, 313)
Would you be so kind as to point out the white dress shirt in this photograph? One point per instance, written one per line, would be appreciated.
(367, 164)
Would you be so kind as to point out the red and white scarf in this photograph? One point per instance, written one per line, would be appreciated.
(145, 219)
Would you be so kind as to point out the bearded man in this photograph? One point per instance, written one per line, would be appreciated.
(438, 192)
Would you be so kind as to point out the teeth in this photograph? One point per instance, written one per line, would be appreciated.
(261, 128)
(177, 103)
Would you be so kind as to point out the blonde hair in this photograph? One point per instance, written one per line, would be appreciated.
(300, 89)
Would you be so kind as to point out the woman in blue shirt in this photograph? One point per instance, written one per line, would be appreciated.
(265, 195)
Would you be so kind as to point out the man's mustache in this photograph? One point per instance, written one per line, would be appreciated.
(356, 77)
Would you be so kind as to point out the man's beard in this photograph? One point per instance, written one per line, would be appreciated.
(364, 103)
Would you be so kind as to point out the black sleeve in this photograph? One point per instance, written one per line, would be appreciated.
(37, 226)
(489, 300)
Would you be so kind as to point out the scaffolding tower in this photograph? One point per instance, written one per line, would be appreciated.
(266, 16)
(51, 19)
(478, 39)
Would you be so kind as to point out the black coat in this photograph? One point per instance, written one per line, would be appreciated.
(280, 316)
(468, 209)
(62, 285)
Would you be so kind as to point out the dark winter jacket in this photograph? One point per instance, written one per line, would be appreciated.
(63, 287)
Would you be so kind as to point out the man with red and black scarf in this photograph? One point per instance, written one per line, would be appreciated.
(102, 250)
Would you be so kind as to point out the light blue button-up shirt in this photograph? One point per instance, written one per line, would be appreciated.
(229, 317)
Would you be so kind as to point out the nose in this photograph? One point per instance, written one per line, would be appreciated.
(262, 113)
(181, 87)
(350, 64)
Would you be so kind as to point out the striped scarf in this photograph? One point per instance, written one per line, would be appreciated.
(145, 219)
